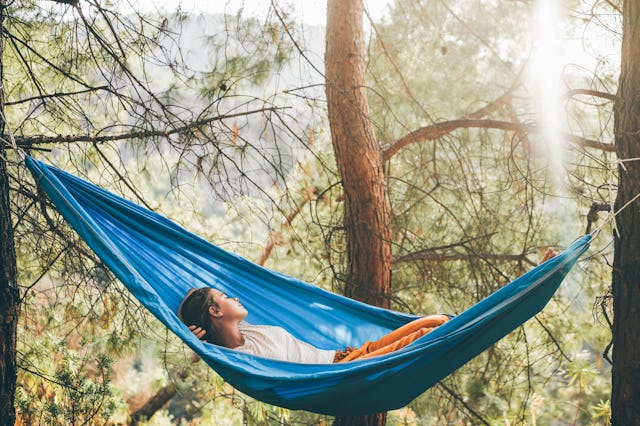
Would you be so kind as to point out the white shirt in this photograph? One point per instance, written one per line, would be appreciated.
(276, 343)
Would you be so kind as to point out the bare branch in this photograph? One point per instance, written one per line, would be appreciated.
(56, 95)
(590, 143)
(70, 2)
(14, 39)
(383, 46)
(553, 338)
(461, 400)
(438, 130)
(614, 6)
(501, 101)
(493, 106)
(29, 141)
(161, 397)
(122, 178)
(594, 93)
(429, 255)
(272, 240)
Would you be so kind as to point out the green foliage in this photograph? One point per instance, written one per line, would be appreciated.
(246, 56)
(602, 412)
(475, 207)
(74, 391)
(471, 209)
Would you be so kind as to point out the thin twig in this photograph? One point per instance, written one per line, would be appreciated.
(464, 404)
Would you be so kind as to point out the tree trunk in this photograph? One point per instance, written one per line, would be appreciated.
(9, 296)
(360, 163)
(358, 156)
(155, 403)
(379, 419)
(9, 300)
(625, 395)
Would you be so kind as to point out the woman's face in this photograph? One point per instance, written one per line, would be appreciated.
(230, 308)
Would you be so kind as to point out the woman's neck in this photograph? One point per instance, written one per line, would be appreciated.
(230, 336)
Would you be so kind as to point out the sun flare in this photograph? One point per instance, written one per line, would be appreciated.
(547, 76)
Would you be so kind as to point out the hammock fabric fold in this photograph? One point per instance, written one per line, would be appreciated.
(158, 261)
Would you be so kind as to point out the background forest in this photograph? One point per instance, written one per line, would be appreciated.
(220, 123)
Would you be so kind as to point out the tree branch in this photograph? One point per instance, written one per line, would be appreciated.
(430, 256)
(15, 40)
(491, 107)
(122, 178)
(161, 397)
(272, 241)
(615, 7)
(594, 93)
(383, 46)
(71, 2)
(553, 338)
(438, 130)
(458, 398)
(56, 95)
(29, 141)
(505, 99)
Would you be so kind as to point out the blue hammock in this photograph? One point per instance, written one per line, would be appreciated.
(158, 261)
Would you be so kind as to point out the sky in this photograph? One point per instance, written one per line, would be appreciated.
(313, 12)
(310, 12)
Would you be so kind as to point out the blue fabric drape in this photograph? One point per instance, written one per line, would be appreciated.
(158, 261)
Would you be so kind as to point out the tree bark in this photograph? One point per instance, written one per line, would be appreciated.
(155, 403)
(358, 156)
(625, 394)
(360, 164)
(379, 419)
(9, 300)
(9, 295)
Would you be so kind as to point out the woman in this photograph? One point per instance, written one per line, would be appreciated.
(218, 319)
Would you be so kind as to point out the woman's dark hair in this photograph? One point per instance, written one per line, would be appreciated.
(194, 310)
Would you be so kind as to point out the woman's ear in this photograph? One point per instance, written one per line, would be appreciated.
(215, 312)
